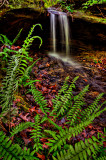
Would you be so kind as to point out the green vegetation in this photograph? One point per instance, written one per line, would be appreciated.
(65, 105)
(90, 3)
(49, 3)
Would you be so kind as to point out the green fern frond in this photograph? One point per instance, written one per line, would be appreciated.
(74, 111)
(17, 36)
(32, 29)
(81, 150)
(20, 128)
(101, 158)
(9, 151)
(28, 41)
(9, 83)
(37, 134)
(16, 69)
(94, 107)
(5, 40)
(59, 103)
(27, 72)
(60, 139)
(39, 99)
(54, 124)
(4, 53)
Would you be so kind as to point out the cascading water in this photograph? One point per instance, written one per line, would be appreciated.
(53, 30)
(64, 29)
(65, 32)
(60, 41)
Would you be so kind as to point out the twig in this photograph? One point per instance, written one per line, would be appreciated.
(100, 12)
(3, 2)
(1, 124)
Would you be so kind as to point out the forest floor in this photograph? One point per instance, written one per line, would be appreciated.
(52, 73)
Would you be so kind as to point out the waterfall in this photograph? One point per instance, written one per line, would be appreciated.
(60, 37)
(53, 30)
(64, 31)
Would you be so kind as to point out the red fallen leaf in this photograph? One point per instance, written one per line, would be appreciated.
(90, 126)
(50, 102)
(44, 72)
(38, 85)
(15, 47)
(85, 80)
(32, 109)
(92, 132)
(24, 117)
(47, 64)
(38, 111)
(45, 146)
(104, 61)
(12, 124)
(44, 89)
(84, 133)
(104, 144)
(48, 14)
(26, 140)
(41, 156)
(53, 91)
(43, 139)
(54, 86)
(17, 100)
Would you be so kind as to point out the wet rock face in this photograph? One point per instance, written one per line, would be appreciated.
(87, 36)
(84, 35)
(14, 20)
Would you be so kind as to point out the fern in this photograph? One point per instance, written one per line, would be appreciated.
(66, 134)
(75, 109)
(60, 102)
(26, 75)
(10, 83)
(17, 36)
(91, 3)
(20, 127)
(81, 151)
(11, 151)
(16, 69)
(101, 158)
(37, 134)
(28, 41)
(6, 41)
(39, 99)
(94, 107)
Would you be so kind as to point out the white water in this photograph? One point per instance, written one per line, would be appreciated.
(63, 29)
(65, 32)
(59, 23)
(53, 30)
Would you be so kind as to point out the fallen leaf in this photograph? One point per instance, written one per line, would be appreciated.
(92, 132)
(45, 146)
(47, 64)
(41, 156)
(26, 140)
(85, 80)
